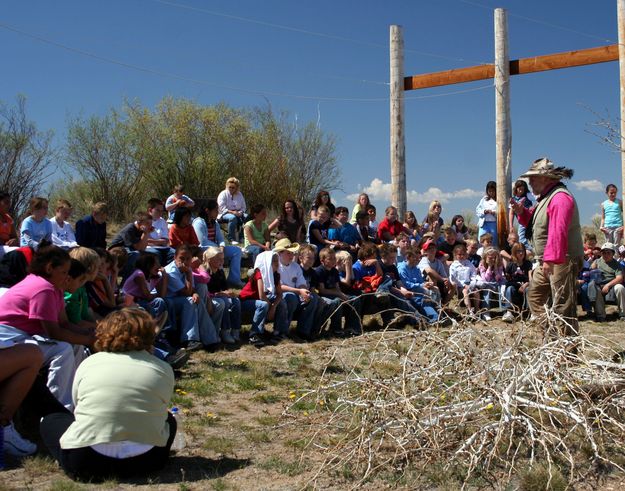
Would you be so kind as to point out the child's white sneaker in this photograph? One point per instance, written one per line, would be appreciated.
(487, 317)
(15, 444)
(508, 317)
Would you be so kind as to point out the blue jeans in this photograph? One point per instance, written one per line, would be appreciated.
(195, 323)
(231, 312)
(305, 311)
(351, 311)
(234, 225)
(232, 257)
(254, 251)
(424, 309)
(583, 296)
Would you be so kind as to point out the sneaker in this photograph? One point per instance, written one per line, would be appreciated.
(178, 359)
(234, 243)
(15, 444)
(278, 337)
(255, 340)
(486, 317)
(236, 335)
(193, 345)
(226, 337)
(508, 317)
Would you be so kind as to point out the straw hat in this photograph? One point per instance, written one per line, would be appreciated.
(545, 167)
(286, 245)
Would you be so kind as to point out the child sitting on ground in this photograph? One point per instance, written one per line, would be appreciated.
(517, 279)
(35, 227)
(329, 281)
(213, 264)
(301, 303)
(399, 296)
(486, 240)
(262, 294)
(450, 241)
(77, 301)
(491, 277)
(62, 233)
(426, 295)
(472, 254)
(435, 270)
(463, 275)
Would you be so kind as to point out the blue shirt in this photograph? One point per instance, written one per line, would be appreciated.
(176, 280)
(347, 233)
(360, 270)
(33, 232)
(410, 277)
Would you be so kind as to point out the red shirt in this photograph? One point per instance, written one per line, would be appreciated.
(394, 228)
(250, 290)
(182, 235)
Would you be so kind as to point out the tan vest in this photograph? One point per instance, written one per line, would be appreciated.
(540, 225)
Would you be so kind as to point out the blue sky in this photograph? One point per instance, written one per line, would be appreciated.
(327, 61)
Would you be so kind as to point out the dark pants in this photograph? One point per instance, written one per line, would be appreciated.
(85, 464)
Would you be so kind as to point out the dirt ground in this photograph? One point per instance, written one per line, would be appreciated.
(239, 434)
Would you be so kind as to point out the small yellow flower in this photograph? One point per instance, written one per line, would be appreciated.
(489, 406)
(292, 395)
(181, 392)
(321, 403)
(305, 413)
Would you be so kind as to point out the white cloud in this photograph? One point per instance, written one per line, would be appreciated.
(380, 191)
(591, 185)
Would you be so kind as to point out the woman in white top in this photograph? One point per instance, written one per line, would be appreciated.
(232, 209)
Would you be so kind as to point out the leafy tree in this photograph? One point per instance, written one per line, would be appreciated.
(26, 155)
(101, 150)
(136, 153)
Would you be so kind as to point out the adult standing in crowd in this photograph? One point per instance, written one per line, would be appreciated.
(232, 208)
(554, 231)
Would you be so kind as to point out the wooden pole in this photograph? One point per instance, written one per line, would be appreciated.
(621, 51)
(522, 66)
(398, 148)
(503, 130)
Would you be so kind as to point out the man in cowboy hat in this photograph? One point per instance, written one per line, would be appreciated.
(554, 231)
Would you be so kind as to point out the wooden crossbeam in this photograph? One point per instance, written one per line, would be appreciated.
(521, 66)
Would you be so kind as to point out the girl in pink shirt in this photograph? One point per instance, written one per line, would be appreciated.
(33, 311)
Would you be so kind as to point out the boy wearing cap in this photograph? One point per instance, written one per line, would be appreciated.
(435, 270)
(300, 301)
(612, 285)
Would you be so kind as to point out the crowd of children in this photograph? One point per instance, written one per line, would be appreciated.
(57, 286)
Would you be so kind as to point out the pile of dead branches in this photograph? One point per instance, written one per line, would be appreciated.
(486, 399)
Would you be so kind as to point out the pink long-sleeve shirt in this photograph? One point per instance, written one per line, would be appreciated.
(560, 212)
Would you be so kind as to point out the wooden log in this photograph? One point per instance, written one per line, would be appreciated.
(398, 147)
(503, 128)
(590, 56)
(621, 51)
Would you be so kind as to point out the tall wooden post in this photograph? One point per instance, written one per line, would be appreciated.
(621, 62)
(503, 130)
(398, 147)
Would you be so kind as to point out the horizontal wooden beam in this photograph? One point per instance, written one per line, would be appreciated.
(521, 66)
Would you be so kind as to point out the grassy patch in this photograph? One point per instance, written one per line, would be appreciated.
(267, 398)
(218, 444)
(282, 466)
(258, 436)
(39, 465)
(267, 420)
(65, 485)
(539, 478)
